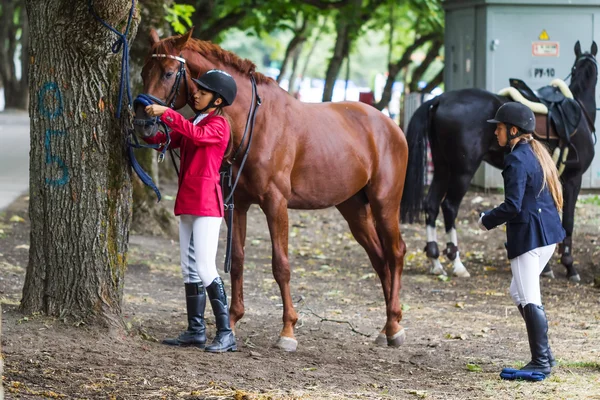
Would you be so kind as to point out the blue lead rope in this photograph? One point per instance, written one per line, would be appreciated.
(116, 47)
(121, 43)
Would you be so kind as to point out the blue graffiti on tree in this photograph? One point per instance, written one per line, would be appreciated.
(50, 105)
(52, 159)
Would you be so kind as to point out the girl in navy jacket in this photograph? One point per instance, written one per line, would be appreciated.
(533, 199)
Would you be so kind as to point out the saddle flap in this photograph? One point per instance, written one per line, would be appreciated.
(524, 89)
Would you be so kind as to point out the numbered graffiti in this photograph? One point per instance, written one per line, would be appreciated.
(53, 159)
(50, 105)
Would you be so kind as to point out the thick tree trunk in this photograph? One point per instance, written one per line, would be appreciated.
(80, 187)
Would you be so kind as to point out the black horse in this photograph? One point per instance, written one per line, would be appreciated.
(460, 138)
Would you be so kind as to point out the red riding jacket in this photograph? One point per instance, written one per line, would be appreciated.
(202, 149)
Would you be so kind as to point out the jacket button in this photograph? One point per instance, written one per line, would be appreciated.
(539, 210)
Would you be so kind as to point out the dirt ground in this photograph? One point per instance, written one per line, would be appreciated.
(461, 332)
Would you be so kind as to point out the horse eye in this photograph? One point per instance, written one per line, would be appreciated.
(168, 75)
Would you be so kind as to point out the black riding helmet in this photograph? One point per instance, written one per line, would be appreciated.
(220, 83)
(515, 114)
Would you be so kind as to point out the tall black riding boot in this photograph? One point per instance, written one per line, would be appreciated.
(224, 339)
(537, 332)
(551, 358)
(195, 335)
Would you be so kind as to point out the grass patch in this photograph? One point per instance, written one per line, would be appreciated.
(580, 364)
(595, 200)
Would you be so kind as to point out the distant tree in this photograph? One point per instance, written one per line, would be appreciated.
(14, 39)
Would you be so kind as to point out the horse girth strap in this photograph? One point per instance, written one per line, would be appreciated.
(227, 180)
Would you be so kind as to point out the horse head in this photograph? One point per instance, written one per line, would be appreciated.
(584, 74)
(166, 79)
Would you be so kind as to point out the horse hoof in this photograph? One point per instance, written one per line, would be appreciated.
(287, 344)
(575, 278)
(381, 340)
(437, 270)
(398, 339)
(549, 274)
(461, 273)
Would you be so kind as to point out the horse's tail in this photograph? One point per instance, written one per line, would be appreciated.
(416, 136)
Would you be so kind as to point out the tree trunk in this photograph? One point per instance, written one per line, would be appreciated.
(149, 216)
(294, 71)
(418, 72)
(395, 68)
(15, 87)
(313, 46)
(349, 22)
(80, 186)
(291, 50)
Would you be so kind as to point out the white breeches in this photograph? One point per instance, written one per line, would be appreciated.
(198, 243)
(526, 270)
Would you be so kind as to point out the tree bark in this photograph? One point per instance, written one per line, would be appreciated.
(15, 88)
(80, 186)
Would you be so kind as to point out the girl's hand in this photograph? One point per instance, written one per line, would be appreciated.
(480, 222)
(155, 110)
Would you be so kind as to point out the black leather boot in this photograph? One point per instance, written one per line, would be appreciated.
(537, 332)
(551, 358)
(195, 335)
(224, 339)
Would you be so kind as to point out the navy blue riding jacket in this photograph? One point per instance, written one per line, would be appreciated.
(531, 216)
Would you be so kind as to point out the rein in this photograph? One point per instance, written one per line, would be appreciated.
(227, 172)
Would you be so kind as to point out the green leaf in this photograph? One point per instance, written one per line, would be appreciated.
(474, 368)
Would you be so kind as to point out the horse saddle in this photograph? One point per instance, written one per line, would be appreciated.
(564, 112)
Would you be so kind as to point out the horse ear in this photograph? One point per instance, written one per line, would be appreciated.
(594, 49)
(180, 42)
(577, 49)
(154, 36)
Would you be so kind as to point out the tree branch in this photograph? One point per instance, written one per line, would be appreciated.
(420, 70)
(436, 81)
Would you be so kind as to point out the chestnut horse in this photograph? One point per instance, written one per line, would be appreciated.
(303, 156)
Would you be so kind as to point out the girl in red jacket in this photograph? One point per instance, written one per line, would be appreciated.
(203, 141)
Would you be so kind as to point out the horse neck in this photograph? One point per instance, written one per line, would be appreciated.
(586, 93)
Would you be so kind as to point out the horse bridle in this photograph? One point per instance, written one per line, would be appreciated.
(173, 94)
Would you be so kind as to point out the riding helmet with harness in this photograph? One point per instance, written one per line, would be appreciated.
(517, 115)
(221, 84)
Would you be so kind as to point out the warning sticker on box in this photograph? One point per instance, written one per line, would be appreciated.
(545, 49)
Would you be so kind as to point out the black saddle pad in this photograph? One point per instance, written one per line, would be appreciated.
(550, 94)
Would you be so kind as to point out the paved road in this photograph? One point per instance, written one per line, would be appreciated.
(14, 156)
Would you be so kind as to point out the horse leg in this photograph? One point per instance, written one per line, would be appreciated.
(571, 189)
(236, 309)
(384, 205)
(456, 191)
(431, 206)
(357, 213)
(275, 208)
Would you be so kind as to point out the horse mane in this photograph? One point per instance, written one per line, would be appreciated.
(215, 53)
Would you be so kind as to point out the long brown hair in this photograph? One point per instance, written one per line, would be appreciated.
(549, 170)
(229, 150)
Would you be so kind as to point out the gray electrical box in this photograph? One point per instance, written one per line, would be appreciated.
(489, 41)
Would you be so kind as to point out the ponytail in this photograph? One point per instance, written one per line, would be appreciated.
(229, 150)
(550, 172)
